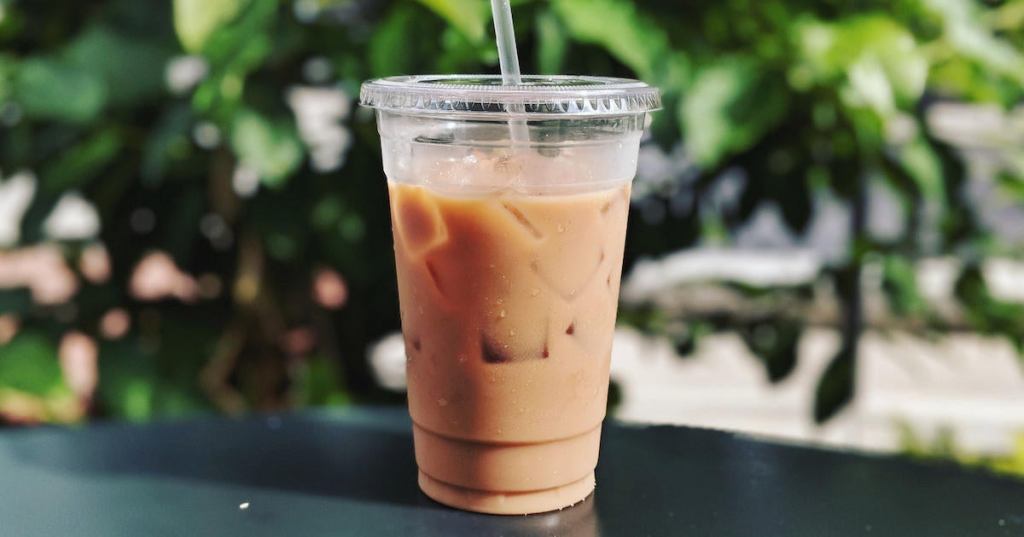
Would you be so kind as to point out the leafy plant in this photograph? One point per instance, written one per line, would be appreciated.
(182, 123)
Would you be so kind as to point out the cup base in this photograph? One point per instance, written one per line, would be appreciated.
(507, 503)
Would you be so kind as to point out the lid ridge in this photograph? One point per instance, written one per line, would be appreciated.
(486, 95)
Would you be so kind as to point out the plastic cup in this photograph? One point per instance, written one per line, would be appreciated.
(509, 253)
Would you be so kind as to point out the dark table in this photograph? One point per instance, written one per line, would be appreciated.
(353, 473)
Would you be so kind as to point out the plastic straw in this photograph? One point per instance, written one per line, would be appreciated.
(505, 34)
(508, 59)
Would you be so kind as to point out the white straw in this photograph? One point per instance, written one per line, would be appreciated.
(505, 34)
(508, 59)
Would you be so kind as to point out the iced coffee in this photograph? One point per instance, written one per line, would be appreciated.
(509, 253)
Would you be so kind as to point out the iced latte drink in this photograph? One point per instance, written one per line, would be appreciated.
(509, 217)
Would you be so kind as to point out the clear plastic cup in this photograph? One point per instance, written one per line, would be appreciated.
(509, 208)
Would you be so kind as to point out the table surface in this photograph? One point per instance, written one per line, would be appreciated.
(353, 473)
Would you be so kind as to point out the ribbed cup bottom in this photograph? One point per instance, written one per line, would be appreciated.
(507, 503)
(507, 478)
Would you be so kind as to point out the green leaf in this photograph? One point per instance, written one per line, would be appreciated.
(270, 147)
(971, 81)
(877, 58)
(389, 40)
(167, 142)
(469, 16)
(128, 379)
(318, 382)
(971, 38)
(8, 69)
(196, 20)
(924, 167)
(1011, 185)
(985, 312)
(132, 68)
(835, 388)
(80, 163)
(899, 281)
(552, 43)
(685, 341)
(233, 51)
(51, 89)
(775, 343)
(730, 106)
(29, 364)
(459, 54)
(242, 43)
(616, 25)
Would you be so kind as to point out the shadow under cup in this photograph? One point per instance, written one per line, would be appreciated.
(509, 222)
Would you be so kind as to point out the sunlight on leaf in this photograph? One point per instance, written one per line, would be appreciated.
(469, 16)
(973, 41)
(616, 25)
(924, 167)
(196, 20)
(271, 148)
(878, 57)
(730, 105)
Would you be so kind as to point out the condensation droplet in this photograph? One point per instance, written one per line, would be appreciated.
(534, 291)
(561, 228)
(442, 402)
(501, 314)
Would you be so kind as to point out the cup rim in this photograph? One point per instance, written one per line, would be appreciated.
(487, 95)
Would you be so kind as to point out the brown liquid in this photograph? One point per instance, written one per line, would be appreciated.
(508, 306)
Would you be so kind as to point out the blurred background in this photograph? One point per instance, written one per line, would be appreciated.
(825, 241)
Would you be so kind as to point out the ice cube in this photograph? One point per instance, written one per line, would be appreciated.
(418, 222)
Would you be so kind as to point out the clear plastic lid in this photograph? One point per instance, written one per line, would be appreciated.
(485, 95)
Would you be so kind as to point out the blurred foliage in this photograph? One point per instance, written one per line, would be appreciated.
(178, 122)
(943, 446)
